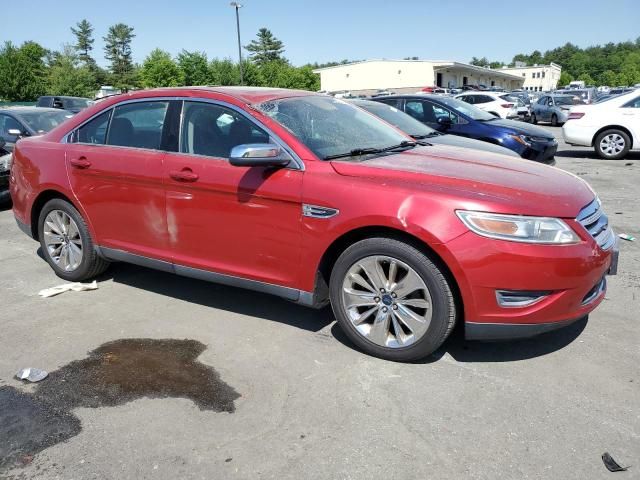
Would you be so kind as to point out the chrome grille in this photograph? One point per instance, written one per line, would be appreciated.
(594, 220)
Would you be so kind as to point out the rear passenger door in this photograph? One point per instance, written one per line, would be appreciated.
(115, 164)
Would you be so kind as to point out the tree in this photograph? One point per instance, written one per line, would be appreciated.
(194, 67)
(22, 72)
(586, 78)
(117, 50)
(68, 76)
(266, 48)
(84, 41)
(159, 70)
(565, 79)
(224, 72)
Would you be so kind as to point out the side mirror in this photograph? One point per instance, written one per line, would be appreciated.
(258, 155)
(445, 122)
(16, 132)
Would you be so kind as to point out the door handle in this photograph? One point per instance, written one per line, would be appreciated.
(81, 162)
(184, 175)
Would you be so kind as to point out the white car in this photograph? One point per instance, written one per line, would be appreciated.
(611, 127)
(496, 103)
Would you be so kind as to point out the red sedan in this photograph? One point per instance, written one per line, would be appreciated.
(315, 200)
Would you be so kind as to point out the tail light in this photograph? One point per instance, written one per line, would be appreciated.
(507, 105)
(575, 115)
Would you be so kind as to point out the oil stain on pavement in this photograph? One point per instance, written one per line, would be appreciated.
(115, 373)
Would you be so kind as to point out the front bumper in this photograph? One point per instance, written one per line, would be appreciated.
(571, 277)
(543, 152)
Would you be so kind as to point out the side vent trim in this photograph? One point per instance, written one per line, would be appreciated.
(316, 211)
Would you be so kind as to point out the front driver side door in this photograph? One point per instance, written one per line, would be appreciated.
(237, 221)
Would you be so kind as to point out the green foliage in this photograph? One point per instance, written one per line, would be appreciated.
(565, 79)
(22, 72)
(611, 64)
(266, 48)
(117, 50)
(194, 67)
(224, 72)
(159, 70)
(69, 76)
(84, 41)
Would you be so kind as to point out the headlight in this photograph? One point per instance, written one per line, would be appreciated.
(519, 228)
(522, 139)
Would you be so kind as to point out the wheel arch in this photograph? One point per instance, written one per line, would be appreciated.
(613, 127)
(344, 241)
(40, 201)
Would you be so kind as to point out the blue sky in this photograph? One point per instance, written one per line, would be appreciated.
(332, 30)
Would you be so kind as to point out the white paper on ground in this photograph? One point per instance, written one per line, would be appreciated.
(74, 287)
(32, 374)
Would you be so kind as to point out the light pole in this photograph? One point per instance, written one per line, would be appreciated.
(238, 6)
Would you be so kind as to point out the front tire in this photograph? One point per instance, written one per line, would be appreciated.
(554, 120)
(66, 242)
(391, 300)
(534, 120)
(612, 144)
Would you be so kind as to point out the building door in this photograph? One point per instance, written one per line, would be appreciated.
(464, 80)
(439, 79)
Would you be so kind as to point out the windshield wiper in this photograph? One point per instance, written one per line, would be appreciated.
(404, 145)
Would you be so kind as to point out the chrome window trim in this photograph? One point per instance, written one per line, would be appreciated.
(299, 164)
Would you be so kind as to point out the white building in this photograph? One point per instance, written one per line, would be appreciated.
(408, 76)
(537, 78)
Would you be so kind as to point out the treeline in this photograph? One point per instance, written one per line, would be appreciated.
(29, 70)
(612, 64)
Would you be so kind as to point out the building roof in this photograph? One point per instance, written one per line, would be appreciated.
(437, 64)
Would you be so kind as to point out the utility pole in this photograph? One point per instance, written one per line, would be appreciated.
(238, 6)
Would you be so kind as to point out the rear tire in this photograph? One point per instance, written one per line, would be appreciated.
(400, 312)
(66, 242)
(612, 144)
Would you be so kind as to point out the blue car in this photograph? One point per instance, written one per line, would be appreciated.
(459, 118)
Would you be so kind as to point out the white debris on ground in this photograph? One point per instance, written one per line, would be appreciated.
(74, 287)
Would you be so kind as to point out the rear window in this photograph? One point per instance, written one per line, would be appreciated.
(138, 125)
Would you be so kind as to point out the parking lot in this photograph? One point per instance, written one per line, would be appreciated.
(290, 398)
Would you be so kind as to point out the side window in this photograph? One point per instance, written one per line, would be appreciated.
(542, 101)
(213, 130)
(7, 123)
(394, 102)
(635, 103)
(484, 99)
(415, 109)
(94, 132)
(138, 125)
(433, 112)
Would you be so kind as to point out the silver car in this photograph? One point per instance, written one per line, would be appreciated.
(553, 108)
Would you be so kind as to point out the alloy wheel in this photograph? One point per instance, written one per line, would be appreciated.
(386, 301)
(63, 241)
(612, 144)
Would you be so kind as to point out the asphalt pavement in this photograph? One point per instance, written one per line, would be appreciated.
(218, 382)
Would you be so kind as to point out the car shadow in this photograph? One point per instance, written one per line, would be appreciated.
(466, 351)
(221, 297)
(269, 307)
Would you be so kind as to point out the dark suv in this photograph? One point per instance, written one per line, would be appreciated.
(71, 104)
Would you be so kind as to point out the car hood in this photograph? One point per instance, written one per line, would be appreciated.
(457, 141)
(481, 180)
(520, 127)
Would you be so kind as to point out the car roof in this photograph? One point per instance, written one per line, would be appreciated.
(248, 95)
(26, 109)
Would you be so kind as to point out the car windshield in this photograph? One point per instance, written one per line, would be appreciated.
(77, 103)
(398, 119)
(42, 122)
(330, 127)
(467, 109)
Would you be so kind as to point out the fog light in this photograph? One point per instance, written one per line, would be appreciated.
(519, 298)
